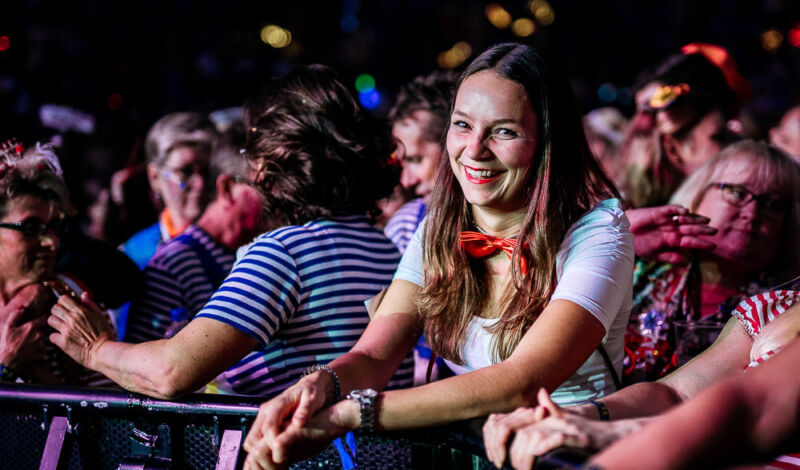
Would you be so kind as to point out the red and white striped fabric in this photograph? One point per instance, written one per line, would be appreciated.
(754, 313)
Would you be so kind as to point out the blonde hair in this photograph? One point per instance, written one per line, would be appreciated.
(770, 166)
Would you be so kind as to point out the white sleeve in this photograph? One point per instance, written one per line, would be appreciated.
(594, 265)
(410, 267)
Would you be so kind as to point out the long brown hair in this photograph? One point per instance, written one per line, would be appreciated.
(565, 182)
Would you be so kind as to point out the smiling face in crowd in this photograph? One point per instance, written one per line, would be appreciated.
(492, 141)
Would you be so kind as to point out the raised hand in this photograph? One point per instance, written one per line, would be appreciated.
(669, 233)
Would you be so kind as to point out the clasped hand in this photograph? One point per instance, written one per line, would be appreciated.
(294, 425)
(541, 429)
(81, 327)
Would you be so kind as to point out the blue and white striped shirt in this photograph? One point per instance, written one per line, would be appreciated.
(404, 223)
(184, 272)
(300, 291)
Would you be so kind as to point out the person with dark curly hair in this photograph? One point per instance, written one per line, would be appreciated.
(297, 296)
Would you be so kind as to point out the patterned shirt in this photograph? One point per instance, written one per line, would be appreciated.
(184, 273)
(404, 223)
(300, 291)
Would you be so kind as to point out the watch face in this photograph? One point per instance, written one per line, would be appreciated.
(369, 393)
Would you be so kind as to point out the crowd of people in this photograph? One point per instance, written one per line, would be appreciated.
(483, 252)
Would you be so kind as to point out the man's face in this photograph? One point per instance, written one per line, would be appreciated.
(419, 152)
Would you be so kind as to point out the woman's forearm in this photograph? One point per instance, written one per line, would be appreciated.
(638, 400)
(490, 390)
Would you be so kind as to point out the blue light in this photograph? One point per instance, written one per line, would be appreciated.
(370, 99)
(349, 24)
(607, 93)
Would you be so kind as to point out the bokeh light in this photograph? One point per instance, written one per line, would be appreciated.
(498, 16)
(794, 35)
(114, 102)
(454, 56)
(276, 36)
(5, 43)
(370, 99)
(771, 40)
(349, 24)
(365, 83)
(523, 27)
(544, 14)
(607, 93)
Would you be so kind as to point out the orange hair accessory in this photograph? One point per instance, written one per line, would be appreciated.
(665, 95)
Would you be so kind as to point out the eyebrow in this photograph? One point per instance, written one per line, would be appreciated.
(498, 121)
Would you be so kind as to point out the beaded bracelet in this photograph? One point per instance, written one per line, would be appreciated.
(334, 378)
(7, 374)
(602, 409)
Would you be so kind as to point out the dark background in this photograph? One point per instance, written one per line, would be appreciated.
(203, 55)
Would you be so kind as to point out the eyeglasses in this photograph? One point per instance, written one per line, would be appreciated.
(35, 228)
(181, 176)
(242, 179)
(771, 204)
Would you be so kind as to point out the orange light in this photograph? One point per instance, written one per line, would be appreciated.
(454, 56)
(523, 27)
(5, 43)
(544, 14)
(771, 40)
(498, 16)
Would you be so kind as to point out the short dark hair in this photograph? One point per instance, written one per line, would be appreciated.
(319, 153)
(433, 93)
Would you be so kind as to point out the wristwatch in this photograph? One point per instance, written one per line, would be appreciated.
(366, 399)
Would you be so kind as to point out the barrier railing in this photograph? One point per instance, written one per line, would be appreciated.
(55, 428)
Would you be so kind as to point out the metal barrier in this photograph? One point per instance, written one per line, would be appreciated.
(56, 428)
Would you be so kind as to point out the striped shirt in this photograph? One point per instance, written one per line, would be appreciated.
(300, 291)
(184, 272)
(404, 223)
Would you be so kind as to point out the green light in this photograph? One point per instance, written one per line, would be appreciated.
(365, 83)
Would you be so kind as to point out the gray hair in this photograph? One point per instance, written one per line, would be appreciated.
(37, 173)
(178, 129)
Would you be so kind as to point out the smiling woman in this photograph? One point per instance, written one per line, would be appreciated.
(519, 203)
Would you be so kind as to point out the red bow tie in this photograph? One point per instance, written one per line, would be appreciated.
(478, 245)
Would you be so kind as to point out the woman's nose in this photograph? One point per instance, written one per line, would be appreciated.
(408, 178)
(476, 148)
(751, 210)
(49, 239)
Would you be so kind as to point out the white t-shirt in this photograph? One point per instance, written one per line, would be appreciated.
(594, 269)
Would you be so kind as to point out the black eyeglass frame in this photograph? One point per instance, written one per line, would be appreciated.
(762, 200)
(35, 228)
